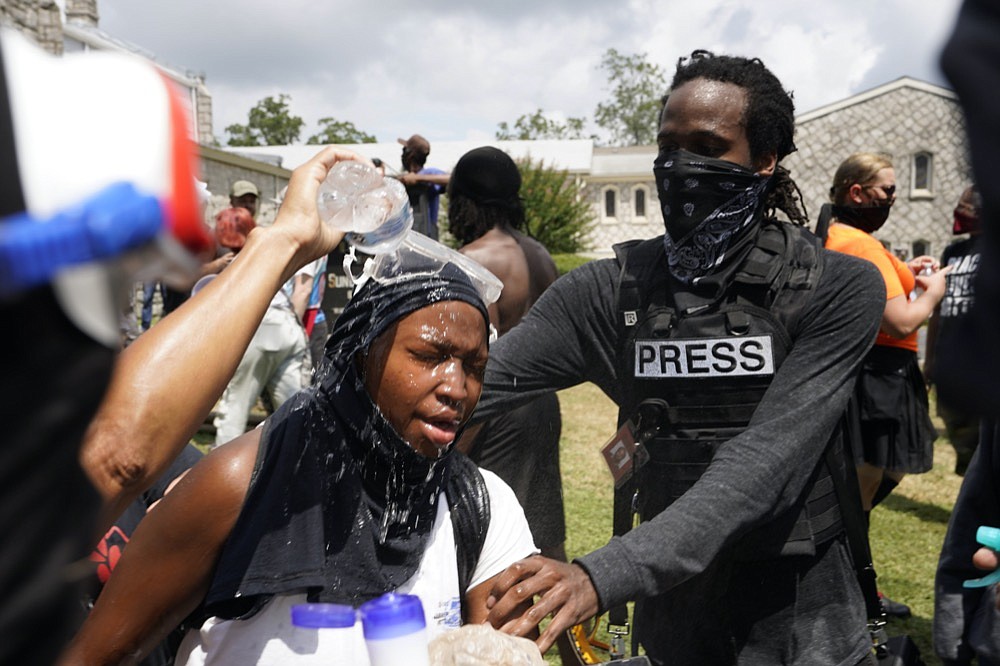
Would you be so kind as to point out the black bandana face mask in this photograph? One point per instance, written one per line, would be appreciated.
(866, 218)
(710, 208)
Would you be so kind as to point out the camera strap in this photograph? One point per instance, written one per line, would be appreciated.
(648, 420)
(848, 492)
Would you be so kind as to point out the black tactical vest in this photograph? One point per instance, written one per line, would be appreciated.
(711, 365)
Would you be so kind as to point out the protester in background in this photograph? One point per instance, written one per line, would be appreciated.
(277, 359)
(897, 436)
(962, 255)
(485, 215)
(424, 185)
(244, 194)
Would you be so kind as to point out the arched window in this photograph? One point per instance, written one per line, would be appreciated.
(610, 202)
(639, 201)
(921, 247)
(922, 183)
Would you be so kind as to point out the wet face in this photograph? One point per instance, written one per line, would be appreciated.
(425, 373)
(706, 118)
(879, 191)
(248, 201)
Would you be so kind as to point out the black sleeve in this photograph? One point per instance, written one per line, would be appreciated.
(567, 338)
(978, 504)
(761, 473)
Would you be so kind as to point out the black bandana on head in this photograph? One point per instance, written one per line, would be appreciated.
(339, 505)
(711, 209)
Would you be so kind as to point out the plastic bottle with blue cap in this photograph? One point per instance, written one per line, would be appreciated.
(395, 630)
(334, 624)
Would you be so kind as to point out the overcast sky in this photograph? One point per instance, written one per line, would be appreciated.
(454, 70)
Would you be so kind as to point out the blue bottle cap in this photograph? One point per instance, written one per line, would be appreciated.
(989, 536)
(321, 616)
(392, 615)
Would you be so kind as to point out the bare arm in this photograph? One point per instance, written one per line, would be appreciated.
(165, 384)
(167, 567)
(300, 294)
(476, 604)
(903, 316)
(429, 178)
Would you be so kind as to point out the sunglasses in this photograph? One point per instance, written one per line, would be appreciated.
(888, 190)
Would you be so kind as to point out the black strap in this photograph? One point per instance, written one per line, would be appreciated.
(11, 196)
(469, 501)
(848, 492)
(823, 222)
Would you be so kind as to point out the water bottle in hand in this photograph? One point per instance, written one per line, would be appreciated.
(375, 212)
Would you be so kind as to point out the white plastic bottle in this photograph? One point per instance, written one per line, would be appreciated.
(335, 626)
(375, 212)
(395, 630)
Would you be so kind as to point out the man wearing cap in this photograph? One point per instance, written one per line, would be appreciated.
(244, 194)
(423, 184)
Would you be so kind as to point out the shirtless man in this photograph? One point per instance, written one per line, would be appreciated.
(521, 446)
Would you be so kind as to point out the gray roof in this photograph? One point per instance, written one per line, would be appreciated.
(631, 162)
(574, 156)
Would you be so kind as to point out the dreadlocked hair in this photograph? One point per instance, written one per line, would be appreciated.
(468, 221)
(769, 118)
(786, 196)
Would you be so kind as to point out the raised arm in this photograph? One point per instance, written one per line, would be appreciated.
(165, 384)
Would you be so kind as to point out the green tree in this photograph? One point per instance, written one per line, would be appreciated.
(339, 131)
(269, 124)
(537, 126)
(556, 213)
(631, 115)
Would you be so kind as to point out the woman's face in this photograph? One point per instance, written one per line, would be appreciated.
(425, 373)
(879, 191)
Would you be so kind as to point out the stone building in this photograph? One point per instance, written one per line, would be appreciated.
(919, 126)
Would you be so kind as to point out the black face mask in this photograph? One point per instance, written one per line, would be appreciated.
(711, 208)
(866, 218)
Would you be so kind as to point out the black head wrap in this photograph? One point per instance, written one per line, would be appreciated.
(339, 504)
(487, 176)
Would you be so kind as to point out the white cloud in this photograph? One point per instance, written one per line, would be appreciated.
(454, 70)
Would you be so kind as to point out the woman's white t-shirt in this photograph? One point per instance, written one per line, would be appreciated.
(268, 638)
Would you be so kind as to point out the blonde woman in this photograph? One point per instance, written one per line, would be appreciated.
(897, 436)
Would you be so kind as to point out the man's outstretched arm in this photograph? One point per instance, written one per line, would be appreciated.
(165, 384)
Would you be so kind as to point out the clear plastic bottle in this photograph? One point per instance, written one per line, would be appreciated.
(375, 212)
(335, 624)
(395, 630)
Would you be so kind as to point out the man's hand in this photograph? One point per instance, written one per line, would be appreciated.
(565, 590)
(988, 559)
(298, 217)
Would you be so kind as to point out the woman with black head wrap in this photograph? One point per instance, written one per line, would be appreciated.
(346, 493)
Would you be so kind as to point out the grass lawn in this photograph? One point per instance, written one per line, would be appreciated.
(907, 529)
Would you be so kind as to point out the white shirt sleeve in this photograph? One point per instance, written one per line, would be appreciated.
(508, 538)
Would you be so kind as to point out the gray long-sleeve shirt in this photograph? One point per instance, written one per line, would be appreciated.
(571, 336)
